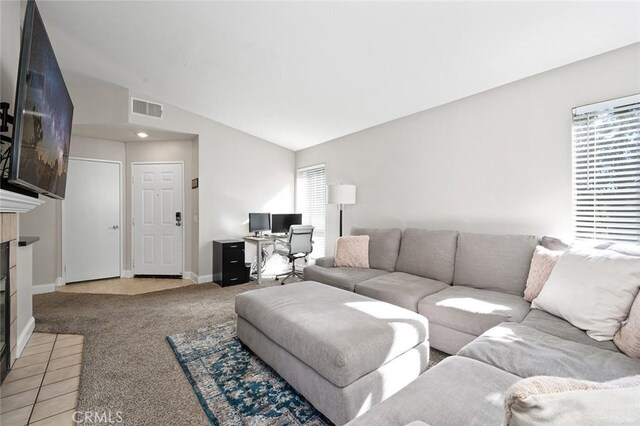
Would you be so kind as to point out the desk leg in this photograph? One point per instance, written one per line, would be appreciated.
(259, 268)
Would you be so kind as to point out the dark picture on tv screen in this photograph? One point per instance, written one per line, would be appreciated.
(44, 113)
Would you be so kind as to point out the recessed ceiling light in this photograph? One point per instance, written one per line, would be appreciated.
(142, 135)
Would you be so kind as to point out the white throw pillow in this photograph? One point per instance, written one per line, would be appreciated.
(352, 251)
(593, 289)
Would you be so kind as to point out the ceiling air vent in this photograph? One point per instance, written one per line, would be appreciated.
(150, 109)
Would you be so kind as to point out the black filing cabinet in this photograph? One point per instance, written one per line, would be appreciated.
(228, 262)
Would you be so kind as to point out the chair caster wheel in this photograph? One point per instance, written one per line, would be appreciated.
(277, 279)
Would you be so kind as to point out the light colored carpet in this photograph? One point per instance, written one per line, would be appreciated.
(128, 365)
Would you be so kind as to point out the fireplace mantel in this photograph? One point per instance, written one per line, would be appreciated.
(12, 202)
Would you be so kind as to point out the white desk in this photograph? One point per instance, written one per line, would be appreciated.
(261, 242)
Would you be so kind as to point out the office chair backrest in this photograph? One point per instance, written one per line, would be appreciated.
(300, 239)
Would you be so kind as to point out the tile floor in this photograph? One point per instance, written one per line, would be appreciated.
(42, 387)
(125, 286)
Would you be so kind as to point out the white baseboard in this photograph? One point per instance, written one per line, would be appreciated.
(43, 288)
(24, 335)
(127, 273)
(204, 279)
(188, 275)
(60, 282)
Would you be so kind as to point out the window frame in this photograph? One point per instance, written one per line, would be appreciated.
(319, 233)
(606, 198)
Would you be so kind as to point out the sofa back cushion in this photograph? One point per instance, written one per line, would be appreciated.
(384, 245)
(494, 262)
(429, 254)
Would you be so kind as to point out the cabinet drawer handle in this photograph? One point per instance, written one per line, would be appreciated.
(233, 261)
(233, 246)
(233, 279)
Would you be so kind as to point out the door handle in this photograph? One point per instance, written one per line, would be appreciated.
(178, 219)
(114, 227)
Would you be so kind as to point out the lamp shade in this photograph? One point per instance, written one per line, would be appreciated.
(341, 194)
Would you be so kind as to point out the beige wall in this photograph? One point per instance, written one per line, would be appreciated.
(97, 149)
(498, 162)
(11, 16)
(195, 203)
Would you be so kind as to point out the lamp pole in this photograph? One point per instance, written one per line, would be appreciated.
(341, 195)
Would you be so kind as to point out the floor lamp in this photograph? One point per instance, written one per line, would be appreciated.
(341, 195)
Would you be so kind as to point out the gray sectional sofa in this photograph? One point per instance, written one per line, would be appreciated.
(470, 287)
(463, 283)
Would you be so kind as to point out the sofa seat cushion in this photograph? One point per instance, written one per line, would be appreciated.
(340, 335)
(550, 324)
(344, 278)
(457, 391)
(526, 352)
(494, 262)
(472, 310)
(399, 288)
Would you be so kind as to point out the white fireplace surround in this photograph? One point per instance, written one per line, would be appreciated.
(12, 202)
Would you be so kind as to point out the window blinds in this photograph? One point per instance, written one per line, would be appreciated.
(311, 201)
(606, 170)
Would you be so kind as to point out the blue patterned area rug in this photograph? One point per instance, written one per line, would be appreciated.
(234, 386)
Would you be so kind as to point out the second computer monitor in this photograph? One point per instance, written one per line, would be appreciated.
(280, 223)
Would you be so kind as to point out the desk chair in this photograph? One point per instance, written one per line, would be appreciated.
(298, 245)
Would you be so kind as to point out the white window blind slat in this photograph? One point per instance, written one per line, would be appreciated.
(606, 171)
(311, 202)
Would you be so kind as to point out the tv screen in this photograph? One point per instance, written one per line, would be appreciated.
(43, 114)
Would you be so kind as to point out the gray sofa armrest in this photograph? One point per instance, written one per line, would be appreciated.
(325, 262)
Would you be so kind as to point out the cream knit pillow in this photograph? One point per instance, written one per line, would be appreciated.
(352, 251)
(542, 264)
(543, 400)
(627, 339)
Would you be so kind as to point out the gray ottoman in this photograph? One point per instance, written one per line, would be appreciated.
(342, 351)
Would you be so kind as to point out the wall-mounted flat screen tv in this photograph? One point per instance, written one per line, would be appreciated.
(43, 114)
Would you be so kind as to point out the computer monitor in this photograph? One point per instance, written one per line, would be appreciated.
(280, 223)
(259, 222)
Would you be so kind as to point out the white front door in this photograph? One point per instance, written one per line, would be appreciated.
(92, 223)
(157, 218)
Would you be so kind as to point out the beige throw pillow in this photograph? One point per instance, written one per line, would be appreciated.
(352, 251)
(543, 400)
(542, 264)
(627, 339)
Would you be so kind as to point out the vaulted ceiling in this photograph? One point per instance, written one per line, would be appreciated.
(301, 73)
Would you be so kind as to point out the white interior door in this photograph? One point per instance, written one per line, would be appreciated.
(157, 219)
(92, 222)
